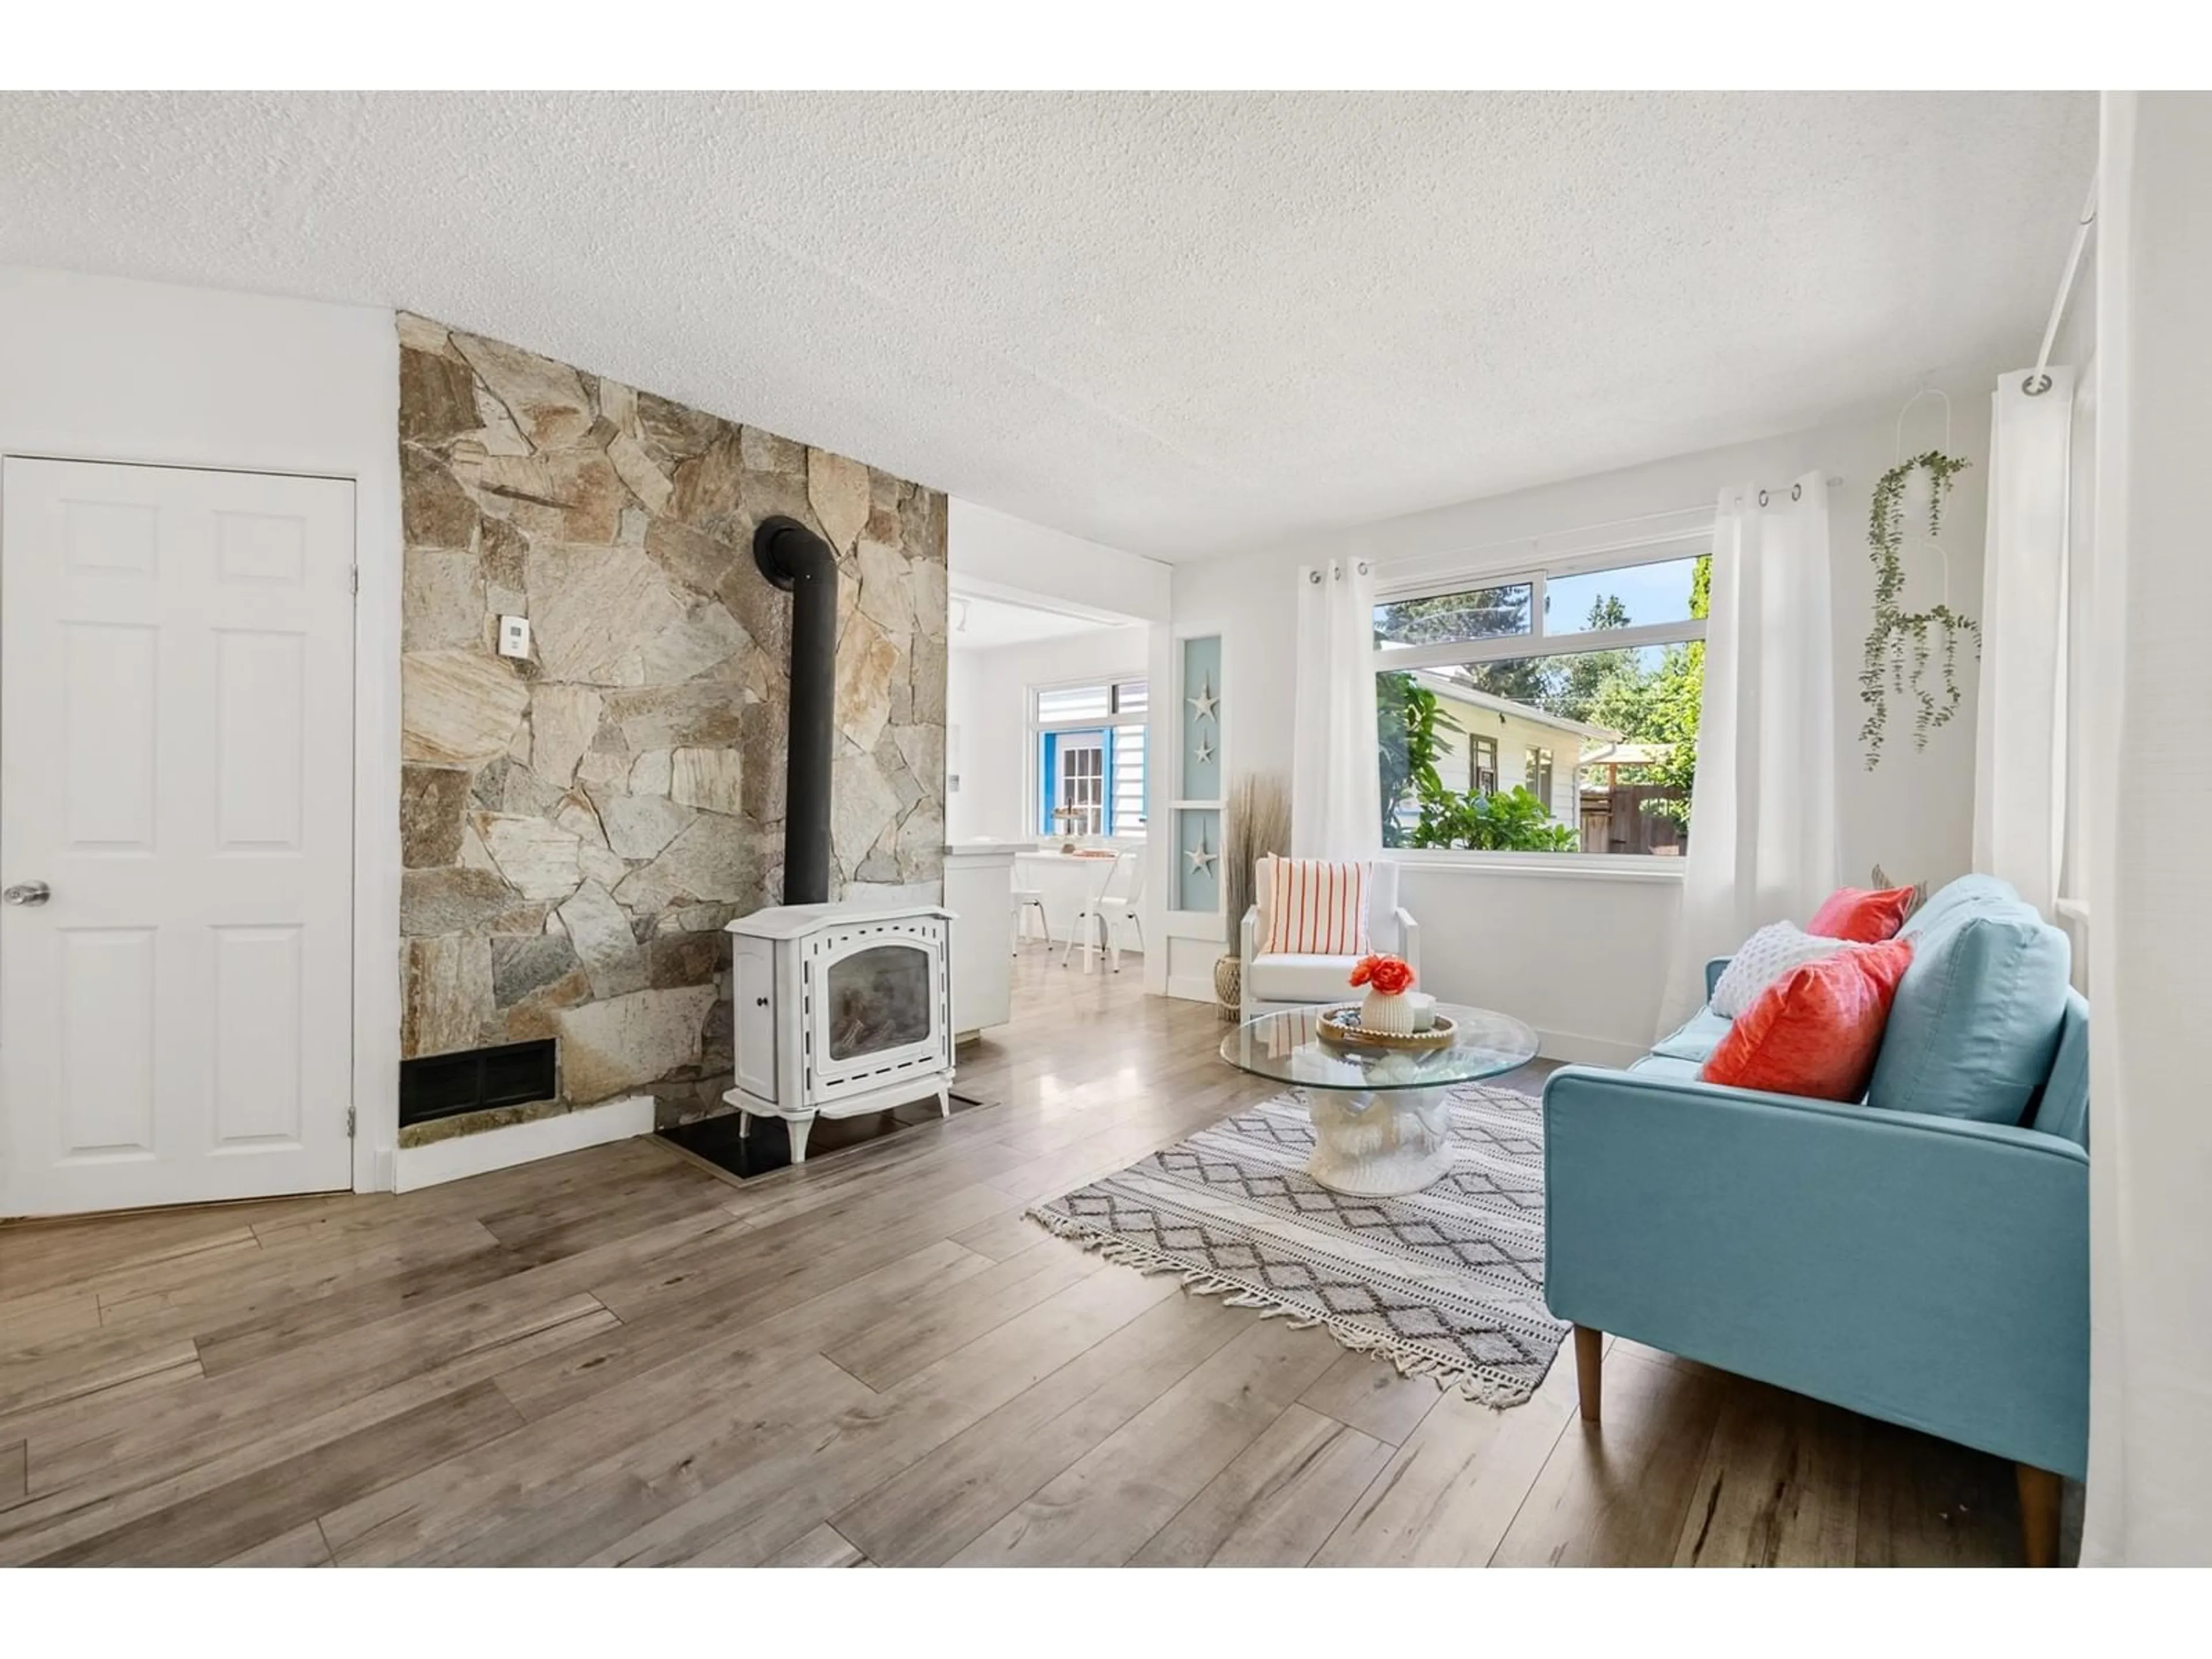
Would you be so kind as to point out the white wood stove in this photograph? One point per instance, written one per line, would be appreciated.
(840, 1009)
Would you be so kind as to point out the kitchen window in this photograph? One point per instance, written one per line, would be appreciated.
(1090, 758)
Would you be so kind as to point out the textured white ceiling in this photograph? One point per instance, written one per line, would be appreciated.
(1178, 323)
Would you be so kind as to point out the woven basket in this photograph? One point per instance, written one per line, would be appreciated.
(1229, 989)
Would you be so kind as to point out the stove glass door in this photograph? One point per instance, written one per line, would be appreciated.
(878, 999)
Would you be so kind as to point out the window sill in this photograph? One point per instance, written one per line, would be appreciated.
(1548, 866)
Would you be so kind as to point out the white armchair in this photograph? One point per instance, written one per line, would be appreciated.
(1272, 982)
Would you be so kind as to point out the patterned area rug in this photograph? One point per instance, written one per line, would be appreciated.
(1447, 1283)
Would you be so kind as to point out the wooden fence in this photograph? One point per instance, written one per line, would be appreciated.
(1618, 820)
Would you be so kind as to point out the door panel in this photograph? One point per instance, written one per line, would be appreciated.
(753, 990)
(105, 978)
(110, 537)
(261, 740)
(257, 1035)
(176, 764)
(108, 726)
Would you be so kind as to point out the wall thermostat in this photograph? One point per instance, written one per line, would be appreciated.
(514, 636)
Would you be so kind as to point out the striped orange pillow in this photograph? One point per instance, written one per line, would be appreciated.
(1317, 908)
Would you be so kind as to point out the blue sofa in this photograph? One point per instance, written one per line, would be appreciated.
(1922, 1256)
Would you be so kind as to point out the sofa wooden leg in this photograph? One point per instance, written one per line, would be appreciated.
(1589, 1359)
(2039, 1516)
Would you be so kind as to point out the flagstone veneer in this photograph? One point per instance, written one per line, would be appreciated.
(578, 826)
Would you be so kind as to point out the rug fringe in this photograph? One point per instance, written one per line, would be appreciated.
(1465, 1380)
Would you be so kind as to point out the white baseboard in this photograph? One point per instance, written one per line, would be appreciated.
(522, 1143)
(1573, 1049)
(1191, 987)
(384, 1167)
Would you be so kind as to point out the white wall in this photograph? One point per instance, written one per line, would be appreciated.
(987, 697)
(1606, 938)
(1578, 956)
(99, 368)
(996, 550)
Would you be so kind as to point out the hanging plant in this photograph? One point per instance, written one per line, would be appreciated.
(1902, 643)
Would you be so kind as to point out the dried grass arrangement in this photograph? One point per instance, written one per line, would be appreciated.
(1256, 821)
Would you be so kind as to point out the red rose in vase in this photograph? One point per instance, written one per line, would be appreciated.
(1391, 976)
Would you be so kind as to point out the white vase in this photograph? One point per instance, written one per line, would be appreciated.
(1392, 1015)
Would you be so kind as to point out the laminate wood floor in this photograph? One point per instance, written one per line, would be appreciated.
(619, 1357)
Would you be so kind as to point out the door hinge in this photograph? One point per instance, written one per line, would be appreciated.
(356, 581)
(350, 1122)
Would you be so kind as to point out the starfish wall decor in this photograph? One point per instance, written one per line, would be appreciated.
(1204, 702)
(1201, 860)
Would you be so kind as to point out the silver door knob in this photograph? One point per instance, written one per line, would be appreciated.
(27, 892)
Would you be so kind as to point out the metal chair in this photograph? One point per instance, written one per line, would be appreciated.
(1025, 900)
(1108, 908)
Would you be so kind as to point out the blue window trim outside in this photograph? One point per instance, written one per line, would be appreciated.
(1047, 774)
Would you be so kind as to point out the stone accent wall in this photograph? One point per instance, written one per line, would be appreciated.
(577, 827)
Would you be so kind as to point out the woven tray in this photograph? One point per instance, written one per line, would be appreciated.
(1342, 1026)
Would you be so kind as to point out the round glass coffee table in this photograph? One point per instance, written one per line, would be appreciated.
(1380, 1124)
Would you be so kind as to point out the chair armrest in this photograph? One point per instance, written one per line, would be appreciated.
(1247, 929)
(1925, 1270)
(1714, 969)
(1409, 938)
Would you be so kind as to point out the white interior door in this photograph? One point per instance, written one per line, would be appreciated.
(176, 773)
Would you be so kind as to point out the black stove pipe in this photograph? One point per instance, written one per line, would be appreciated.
(800, 563)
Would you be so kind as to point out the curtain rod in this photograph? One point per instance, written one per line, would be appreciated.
(1831, 481)
(1405, 571)
(1705, 506)
(2038, 382)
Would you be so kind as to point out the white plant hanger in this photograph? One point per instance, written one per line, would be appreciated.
(1897, 459)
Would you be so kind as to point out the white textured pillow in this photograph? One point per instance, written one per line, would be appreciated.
(1767, 955)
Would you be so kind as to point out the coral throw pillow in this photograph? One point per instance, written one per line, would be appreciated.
(1815, 1031)
(1864, 916)
(1317, 909)
(1767, 955)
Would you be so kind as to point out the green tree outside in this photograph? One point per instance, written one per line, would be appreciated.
(1657, 705)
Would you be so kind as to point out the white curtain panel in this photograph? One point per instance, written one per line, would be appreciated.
(1336, 798)
(2147, 771)
(2020, 747)
(1763, 823)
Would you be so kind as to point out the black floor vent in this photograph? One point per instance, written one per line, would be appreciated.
(445, 1085)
